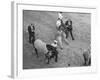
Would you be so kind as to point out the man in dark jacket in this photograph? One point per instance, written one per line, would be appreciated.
(31, 31)
(68, 23)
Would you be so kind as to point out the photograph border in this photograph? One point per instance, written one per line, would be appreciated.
(17, 31)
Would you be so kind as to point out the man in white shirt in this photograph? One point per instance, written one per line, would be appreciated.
(60, 15)
(59, 22)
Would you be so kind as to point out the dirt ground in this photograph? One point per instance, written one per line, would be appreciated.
(45, 24)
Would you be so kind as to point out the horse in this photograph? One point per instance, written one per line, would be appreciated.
(62, 33)
(49, 50)
(61, 36)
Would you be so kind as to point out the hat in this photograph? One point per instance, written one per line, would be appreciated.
(55, 41)
(60, 12)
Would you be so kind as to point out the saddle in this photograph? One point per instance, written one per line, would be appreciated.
(50, 47)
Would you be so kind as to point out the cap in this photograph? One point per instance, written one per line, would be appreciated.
(55, 41)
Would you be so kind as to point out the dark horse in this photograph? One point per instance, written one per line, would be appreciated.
(52, 53)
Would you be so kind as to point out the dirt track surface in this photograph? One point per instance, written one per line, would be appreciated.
(45, 24)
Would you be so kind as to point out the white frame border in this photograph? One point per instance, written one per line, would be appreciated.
(17, 25)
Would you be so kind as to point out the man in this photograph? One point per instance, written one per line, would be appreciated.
(59, 20)
(69, 27)
(33, 33)
(31, 30)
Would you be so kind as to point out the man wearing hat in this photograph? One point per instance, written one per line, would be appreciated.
(31, 31)
(69, 28)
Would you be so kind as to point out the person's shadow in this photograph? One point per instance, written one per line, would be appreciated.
(9, 76)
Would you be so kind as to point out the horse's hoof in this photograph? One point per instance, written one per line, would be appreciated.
(47, 62)
(68, 64)
(61, 48)
(73, 39)
(67, 43)
(56, 61)
(29, 42)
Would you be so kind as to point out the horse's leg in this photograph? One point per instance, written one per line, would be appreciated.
(60, 42)
(47, 57)
(64, 37)
(67, 33)
(56, 57)
(89, 61)
(29, 38)
(48, 61)
(36, 52)
(33, 39)
(71, 34)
